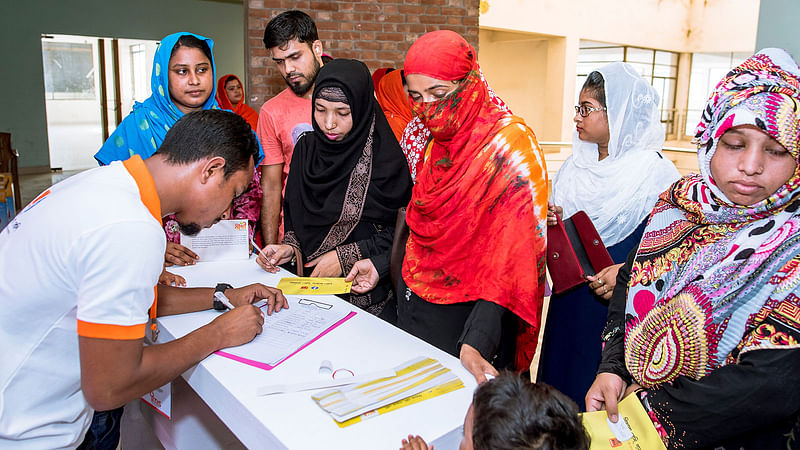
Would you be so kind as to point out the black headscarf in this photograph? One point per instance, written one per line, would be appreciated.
(330, 181)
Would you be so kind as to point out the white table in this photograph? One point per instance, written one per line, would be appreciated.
(362, 344)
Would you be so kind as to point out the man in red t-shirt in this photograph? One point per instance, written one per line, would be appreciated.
(292, 40)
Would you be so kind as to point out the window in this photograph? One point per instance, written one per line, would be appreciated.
(657, 66)
(139, 72)
(68, 70)
(707, 70)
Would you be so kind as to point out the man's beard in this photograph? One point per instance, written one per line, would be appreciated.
(301, 88)
(189, 229)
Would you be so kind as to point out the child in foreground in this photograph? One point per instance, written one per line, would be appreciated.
(510, 413)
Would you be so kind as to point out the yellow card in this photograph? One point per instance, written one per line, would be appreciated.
(633, 417)
(313, 286)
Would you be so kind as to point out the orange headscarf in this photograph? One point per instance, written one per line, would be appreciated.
(477, 215)
(394, 101)
(249, 114)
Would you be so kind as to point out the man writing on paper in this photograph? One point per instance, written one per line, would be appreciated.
(83, 259)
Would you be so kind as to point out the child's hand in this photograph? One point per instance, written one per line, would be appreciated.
(415, 443)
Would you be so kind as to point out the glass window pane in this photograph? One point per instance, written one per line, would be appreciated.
(665, 71)
(668, 94)
(600, 55)
(640, 55)
(645, 70)
(68, 70)
(667, 58)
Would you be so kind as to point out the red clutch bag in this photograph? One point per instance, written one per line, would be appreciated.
(574, 251)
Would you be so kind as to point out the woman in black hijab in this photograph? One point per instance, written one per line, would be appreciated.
(346, 181)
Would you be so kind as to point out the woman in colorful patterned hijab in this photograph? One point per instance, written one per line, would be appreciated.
(704, 323)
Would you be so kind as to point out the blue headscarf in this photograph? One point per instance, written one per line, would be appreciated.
(143, 131)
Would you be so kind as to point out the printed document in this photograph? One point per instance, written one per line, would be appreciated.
(224, 241)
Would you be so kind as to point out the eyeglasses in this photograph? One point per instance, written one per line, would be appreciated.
(584, 110)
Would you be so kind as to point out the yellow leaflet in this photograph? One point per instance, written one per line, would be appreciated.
(313, 286)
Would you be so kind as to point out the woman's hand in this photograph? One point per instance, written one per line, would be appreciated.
(472, 360)
(170, 279)
(603, 283)
(606, 391)
(179, 255)
(326, 265)
(552, 210)
(274, 255)
(364, 276)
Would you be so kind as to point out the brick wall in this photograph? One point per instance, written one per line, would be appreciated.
(377, 32)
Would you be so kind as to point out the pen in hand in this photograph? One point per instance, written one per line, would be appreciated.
(255, 246)
(224, 299)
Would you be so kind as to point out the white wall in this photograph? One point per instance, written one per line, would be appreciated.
(778, 27)
(676, 25)
(528, 48)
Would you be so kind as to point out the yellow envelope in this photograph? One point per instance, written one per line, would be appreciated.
(645, 436)
(313, 286)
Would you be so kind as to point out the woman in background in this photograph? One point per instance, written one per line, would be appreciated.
(393, 97)
(615, 175)
(230, 95)
(182, 81)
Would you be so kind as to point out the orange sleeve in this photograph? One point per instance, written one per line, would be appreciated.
(108, 331)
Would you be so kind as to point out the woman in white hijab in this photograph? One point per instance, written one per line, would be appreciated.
(615, 174)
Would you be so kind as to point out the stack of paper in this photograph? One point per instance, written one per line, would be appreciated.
(413, 377)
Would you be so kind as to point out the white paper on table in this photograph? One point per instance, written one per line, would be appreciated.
(450, 440)
(224, 241)
(285, 331)
(160, 400)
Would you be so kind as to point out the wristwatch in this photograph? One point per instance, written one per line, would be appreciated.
(221, 287)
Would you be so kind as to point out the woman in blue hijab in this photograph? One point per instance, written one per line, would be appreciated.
(192, 88)
(182, 81)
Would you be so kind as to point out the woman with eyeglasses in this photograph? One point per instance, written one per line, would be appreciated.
(615, 175)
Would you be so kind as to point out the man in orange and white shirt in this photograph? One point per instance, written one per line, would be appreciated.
(79, 266)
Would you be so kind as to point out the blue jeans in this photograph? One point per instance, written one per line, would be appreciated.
(103, 432)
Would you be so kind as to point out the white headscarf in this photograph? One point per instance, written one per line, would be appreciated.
(620, 191)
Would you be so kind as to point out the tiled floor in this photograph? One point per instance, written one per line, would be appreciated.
(33, 185)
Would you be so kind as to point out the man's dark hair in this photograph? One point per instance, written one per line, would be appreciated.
(209, 133)
(511, 413)
(187, 40)
(595, 86)
(290, 25)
